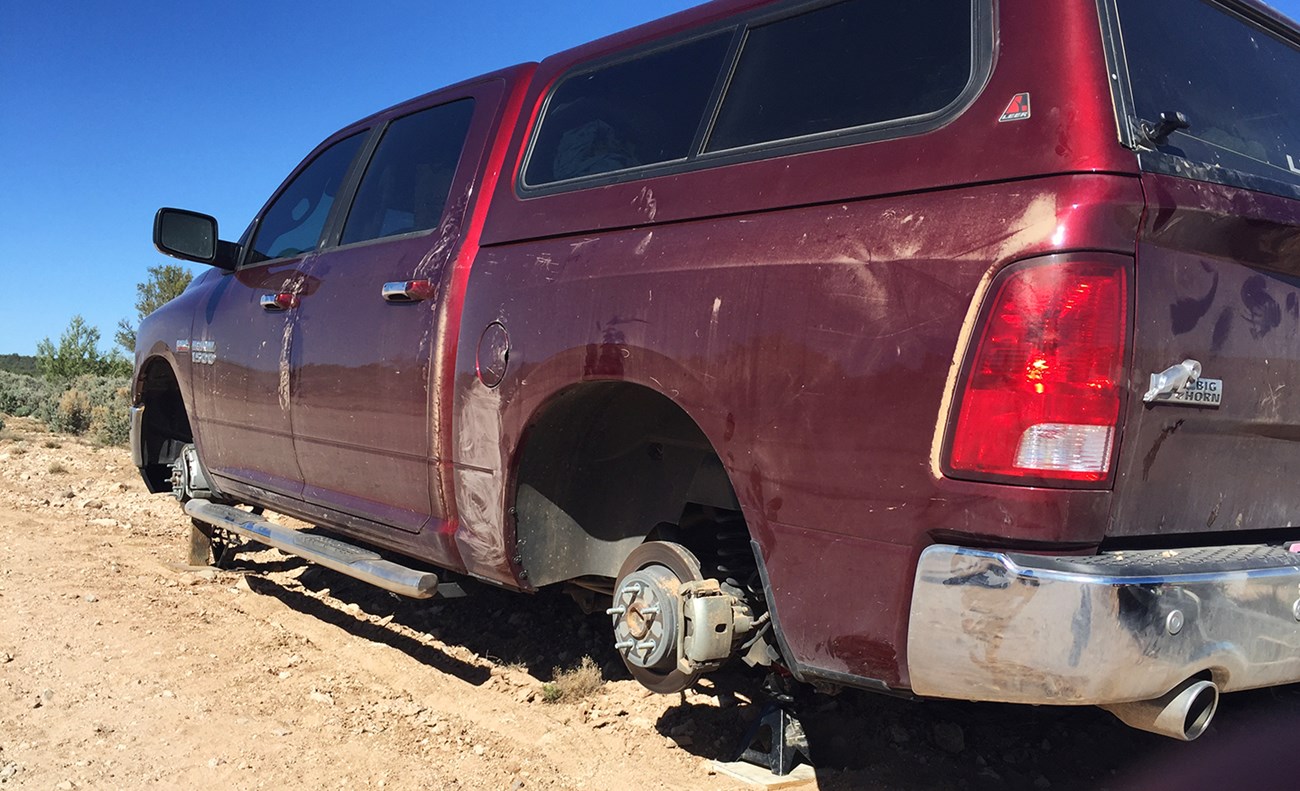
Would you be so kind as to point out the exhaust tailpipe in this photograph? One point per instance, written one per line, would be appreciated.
(1182, 713)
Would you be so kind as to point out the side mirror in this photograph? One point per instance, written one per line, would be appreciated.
(193, 237)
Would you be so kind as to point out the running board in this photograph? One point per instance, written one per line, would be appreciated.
(331, 553)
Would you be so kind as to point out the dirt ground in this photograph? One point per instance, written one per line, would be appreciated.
(122, 668)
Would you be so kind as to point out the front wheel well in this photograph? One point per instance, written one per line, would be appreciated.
(165, 427)
(603, 466)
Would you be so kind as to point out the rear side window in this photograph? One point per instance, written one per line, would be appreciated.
(406, 184)
(637, 112)
(839, 69)
(845, 66)
(1235, 82)
(293, 223)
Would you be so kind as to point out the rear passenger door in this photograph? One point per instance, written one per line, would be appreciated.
(365, 406)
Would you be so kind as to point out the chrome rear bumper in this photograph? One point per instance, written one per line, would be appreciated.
(1112, 628)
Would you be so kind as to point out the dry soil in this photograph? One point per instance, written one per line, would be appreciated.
(120, 667)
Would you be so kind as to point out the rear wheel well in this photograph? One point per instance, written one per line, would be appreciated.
(604, 466)
(165, 428)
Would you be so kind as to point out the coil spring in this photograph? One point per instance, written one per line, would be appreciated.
(735, 557)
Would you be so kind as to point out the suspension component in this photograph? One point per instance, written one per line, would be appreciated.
(670, 624)
(713, 621)
(650, 627)
(188, 479)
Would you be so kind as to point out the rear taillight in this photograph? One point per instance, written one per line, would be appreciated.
(1042, 392)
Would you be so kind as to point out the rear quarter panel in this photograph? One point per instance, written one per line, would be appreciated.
(814, 347)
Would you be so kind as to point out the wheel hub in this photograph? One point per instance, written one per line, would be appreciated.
(645, 618)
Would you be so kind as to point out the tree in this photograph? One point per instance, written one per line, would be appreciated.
(165, 283)
(77, 353)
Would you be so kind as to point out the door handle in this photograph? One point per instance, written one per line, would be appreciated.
(408, 290)
(276, 303)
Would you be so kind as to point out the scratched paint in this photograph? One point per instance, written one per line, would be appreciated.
(477, 474)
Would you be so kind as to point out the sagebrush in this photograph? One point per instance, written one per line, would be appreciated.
(94, 406)
(574, 683)
(21, 395)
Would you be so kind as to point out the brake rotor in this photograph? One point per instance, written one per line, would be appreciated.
(647, 611)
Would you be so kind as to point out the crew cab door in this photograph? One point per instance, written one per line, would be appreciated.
(243, 335)
(365, 401)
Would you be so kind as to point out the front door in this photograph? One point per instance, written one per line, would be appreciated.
(243, 335)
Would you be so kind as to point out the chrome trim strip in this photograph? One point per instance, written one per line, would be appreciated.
(985, 626)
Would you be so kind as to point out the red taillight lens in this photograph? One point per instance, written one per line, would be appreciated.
(1042, 394)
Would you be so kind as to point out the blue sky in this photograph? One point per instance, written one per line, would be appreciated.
(110, 110)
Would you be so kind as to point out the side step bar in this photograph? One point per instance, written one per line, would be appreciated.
(331, 553)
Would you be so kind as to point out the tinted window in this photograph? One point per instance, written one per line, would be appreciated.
(406, 184)
(1235, 83)
(293, 223)
(638, 112)
(846, 65)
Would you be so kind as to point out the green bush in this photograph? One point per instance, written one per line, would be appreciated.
(77, 354)
(22, 395)
(110, 425)
(71, 413)
(94, 405)
(98, 406)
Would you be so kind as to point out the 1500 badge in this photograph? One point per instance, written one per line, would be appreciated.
(1183, 384)
(201, 352)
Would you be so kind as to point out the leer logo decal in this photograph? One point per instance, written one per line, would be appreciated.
(1017, 109)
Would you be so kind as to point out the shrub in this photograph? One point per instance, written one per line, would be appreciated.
(22, 395)
(110, 425)
(94, 405)
(573, 684)
(72, 413)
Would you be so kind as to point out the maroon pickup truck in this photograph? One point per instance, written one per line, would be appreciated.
(948, 347)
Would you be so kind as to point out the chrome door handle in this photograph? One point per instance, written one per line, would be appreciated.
(276, 303)
(409, 290)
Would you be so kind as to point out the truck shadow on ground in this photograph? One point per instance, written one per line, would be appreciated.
(424, 654)
(856, 739)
